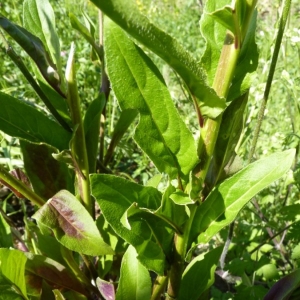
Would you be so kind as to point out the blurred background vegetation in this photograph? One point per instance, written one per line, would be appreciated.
(280, 203)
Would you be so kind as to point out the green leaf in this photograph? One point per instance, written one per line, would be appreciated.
(284, 288)
(12, 264)
(72, 225)
(40, 267)
(135, 282)
(203, 266)
(47, 175)
(127, 15)
(161, 133)
(36, 50)
(5, 233)
(20, 120)
(86, 34)
(225, 17)
(92, 128)
(114, 196)
(8, 291)
(226, 200)
(181, 198)
(39, 19)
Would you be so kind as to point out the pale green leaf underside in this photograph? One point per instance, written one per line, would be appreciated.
(226, 200)
(137, 83)
(127, 15)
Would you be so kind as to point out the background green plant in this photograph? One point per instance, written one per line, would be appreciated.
(277, 204)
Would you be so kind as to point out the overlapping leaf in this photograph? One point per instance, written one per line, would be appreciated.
(137, 83)
(116, 197)
(127, 15)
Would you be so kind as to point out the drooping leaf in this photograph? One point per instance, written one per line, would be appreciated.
(201, 267)
(36, 50)
(114, 196)
(72, 225)
(8, 291)
(47, 175)
(285, 287)
(20, 120)
(135, 282)
(226, 200)
(161, 133)
(39, 19)
(106, 289)
(127, 15)
(12, 264)
(92, 128)
(43, 268)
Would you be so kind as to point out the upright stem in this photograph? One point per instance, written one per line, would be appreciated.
(282, 23)
(78, 146)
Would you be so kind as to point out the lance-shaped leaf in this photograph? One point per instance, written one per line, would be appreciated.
(72, 225)
(137, 83)
(36, 50)
(135, 281)
(115, 196)
(12, 264)
(203, 266)
(39, 19)
(127, 15)
(226, 200)
(20, 120)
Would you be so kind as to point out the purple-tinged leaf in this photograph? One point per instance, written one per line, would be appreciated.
(284, 288)
(106, 289)
(72, 225)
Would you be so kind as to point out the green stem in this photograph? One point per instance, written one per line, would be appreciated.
(181, 242)
(78, 146)
(158, 287)
(282, 23)
(209, 134)
(21, 187)
(19, 63)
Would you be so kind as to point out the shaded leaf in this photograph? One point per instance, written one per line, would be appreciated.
(92, 129)
(5, 233)
(40, 267)
(72, 225)
(226, 200)
(201, 267)
(47, 175)
(168, 142)
(135, 282)
(20, 120)
(127, 15)
(284, 288)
